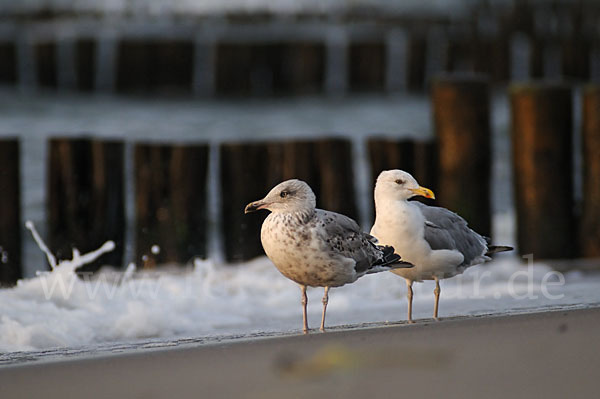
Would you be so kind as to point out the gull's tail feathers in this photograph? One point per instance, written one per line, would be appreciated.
(389, 261)
(494, 249)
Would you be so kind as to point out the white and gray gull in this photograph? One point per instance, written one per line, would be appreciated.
(314, 247)
(437, 241)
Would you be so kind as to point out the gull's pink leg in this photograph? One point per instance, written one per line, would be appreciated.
(437, 292)
(304, 303)
(409, 295)
(325, 301)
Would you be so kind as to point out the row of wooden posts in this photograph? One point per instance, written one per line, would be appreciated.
(85, 184)
(402, 62)
(306, 53)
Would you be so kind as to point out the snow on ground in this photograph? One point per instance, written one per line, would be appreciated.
(60, 309)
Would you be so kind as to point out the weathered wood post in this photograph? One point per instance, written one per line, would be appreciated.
(292, 160)
(590, 220)
(367, 66)
(85, 64)
(170, 192)
(575, 59)
(10, 213)
(86, 198)
(46, 71)
(155, 66)
(8, 62)
(335, 192)
(417, 58)
(461, 113)
(244, 171)
(543, 171)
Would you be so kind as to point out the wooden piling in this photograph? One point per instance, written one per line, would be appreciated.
(171, 193)
(536, 61)
(303, 68)
(8, 63)
(46, 73)
(576, 51)
(85, 64)
(164, 66)
(491, 56)
(269, 69)
(367, 66)
(244, 171)
(543, 171)
(590, 220)
(10, 213)
(334, 165)
(460, 56)
(461, 113)
(292, 160)
(417, 57)
(86, 198)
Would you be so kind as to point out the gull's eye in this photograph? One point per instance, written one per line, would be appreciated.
(284, 194)
(399, 181)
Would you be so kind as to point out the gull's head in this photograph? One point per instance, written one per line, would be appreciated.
(399, 185)
(286, 197)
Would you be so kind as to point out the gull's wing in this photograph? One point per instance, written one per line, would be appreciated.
(446, 230)
(343, 236)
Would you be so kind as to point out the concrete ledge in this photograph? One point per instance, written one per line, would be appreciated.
(549, 355)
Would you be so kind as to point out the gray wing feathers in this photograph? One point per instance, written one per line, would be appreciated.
(338, 224)
(446, 230)
(345, 237)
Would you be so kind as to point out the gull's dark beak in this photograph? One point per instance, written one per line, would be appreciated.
(255, 206)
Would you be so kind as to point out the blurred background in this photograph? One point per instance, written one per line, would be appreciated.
(153, 123)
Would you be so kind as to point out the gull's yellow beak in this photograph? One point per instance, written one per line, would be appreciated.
(424, 192)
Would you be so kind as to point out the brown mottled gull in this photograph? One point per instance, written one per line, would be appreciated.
(317, 248)
(437, 241)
